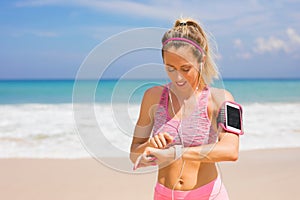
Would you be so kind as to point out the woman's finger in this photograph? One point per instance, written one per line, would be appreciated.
(158, 142)
(168, 137)
(162, 140)
(153, 143)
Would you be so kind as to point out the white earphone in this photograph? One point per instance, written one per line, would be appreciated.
(201, 66)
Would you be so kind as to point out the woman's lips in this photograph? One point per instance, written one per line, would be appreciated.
(180, 84)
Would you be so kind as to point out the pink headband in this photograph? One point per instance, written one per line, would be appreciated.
(185, 40)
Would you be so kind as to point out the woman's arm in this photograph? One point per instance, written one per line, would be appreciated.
(143, 128)
(226, 149)
(142, 132)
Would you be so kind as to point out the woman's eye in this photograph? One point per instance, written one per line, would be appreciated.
(170, 69)
(185, 69)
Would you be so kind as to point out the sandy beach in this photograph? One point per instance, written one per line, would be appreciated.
(258, 174)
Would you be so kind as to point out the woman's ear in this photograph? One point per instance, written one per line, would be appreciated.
(203, 59)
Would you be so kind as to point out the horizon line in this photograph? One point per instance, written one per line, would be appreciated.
(141, 79)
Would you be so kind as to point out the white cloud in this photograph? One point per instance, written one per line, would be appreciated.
(275, 44)
(293, 1)
(244, 55)
(35, 3)
(288, 43)
(238, 43)
(157, 9)
(242, 52)
(121, 7)
(272, 44)
(250, 17)
(293, 36)
(102, 33)
(44, 33)
(34, 32)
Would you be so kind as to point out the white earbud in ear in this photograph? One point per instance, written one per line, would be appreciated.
(201, 66)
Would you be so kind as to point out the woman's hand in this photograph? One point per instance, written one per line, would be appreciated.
(144, 161)
(153, 156)
(162, 156)
(150, 156)
(161, 140)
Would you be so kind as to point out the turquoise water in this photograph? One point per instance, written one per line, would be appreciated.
(60, 91)
(249, 91)
(38, 117)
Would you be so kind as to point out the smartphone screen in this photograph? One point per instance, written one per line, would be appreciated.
(233, 117)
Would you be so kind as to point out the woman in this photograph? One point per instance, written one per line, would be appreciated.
(177, 126)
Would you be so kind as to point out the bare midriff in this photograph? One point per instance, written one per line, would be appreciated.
(194, 174)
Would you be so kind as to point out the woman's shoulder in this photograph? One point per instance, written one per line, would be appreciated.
(219, 95)
(153, 94)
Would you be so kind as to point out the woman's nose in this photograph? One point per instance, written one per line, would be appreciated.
(178, 76)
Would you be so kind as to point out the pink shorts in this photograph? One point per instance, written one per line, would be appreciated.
(213, 190)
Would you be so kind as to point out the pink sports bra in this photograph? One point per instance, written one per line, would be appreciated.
(195, 130)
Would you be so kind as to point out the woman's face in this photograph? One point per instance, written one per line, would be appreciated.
(182, 68)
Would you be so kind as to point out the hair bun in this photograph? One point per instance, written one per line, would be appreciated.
(183, 23)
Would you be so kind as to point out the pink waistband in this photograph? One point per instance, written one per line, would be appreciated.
(212, 190)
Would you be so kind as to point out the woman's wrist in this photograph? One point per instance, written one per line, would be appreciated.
(178, 150)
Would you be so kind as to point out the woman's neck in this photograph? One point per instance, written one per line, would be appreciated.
(183, 96)
(183, 103)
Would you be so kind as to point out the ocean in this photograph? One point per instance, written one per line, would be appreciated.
(43, 119)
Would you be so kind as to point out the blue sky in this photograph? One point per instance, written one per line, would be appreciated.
(49, 39)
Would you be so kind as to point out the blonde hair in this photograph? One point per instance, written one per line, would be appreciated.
(191, 30)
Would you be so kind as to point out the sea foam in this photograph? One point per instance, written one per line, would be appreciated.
(50, 130)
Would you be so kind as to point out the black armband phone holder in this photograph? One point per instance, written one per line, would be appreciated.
(230, 117)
